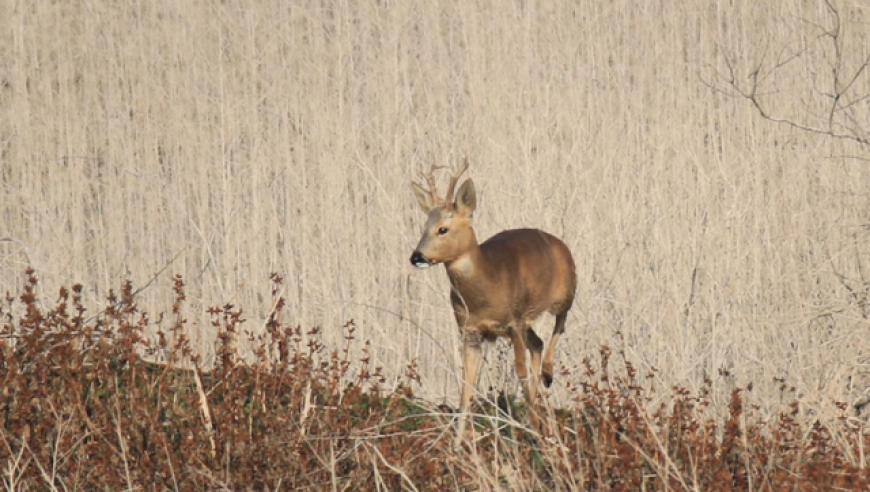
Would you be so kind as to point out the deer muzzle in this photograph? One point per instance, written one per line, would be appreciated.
(420, 261)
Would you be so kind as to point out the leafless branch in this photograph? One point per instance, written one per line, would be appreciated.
(835, 106)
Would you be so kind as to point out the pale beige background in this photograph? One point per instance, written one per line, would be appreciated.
(251, 137)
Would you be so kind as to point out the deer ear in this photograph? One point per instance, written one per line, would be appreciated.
(424, 198)
(466, 198)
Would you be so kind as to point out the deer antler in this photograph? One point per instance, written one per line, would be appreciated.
(432, 189)
(454, 178)
(430, 181)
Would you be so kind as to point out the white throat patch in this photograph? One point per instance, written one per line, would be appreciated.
(462, 266)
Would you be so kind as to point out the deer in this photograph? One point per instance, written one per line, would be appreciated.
(498, 288)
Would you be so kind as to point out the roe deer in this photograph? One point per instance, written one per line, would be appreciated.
(497, 288)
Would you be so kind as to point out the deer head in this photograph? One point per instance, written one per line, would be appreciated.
(447, 235)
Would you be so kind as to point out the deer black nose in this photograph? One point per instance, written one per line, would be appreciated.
(419, 261)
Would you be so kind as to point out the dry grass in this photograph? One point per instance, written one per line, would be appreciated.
(224, 141)
(82, 410)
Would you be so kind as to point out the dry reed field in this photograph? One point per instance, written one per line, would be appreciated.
(222, 141)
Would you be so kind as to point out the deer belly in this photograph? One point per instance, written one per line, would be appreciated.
(490, 330)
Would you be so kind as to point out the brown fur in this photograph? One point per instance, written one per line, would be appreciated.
(499, 287)
(519, 274)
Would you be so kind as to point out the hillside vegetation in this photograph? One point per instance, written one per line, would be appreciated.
(83, 409)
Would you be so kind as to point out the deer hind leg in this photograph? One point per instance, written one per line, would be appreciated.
(535, 346)
(547, 371)
(530, 388)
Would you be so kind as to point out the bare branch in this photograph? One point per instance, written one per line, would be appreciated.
(827, 110)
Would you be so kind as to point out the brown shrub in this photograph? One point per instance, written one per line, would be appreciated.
(86, 405)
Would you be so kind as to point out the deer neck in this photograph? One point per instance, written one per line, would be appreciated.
(469, 270)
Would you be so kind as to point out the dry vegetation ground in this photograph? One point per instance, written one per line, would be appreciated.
(225, 141)
(82, 410)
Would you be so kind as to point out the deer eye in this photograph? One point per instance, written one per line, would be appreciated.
(442, 231)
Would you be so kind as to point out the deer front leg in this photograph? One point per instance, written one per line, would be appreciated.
(471, 355)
